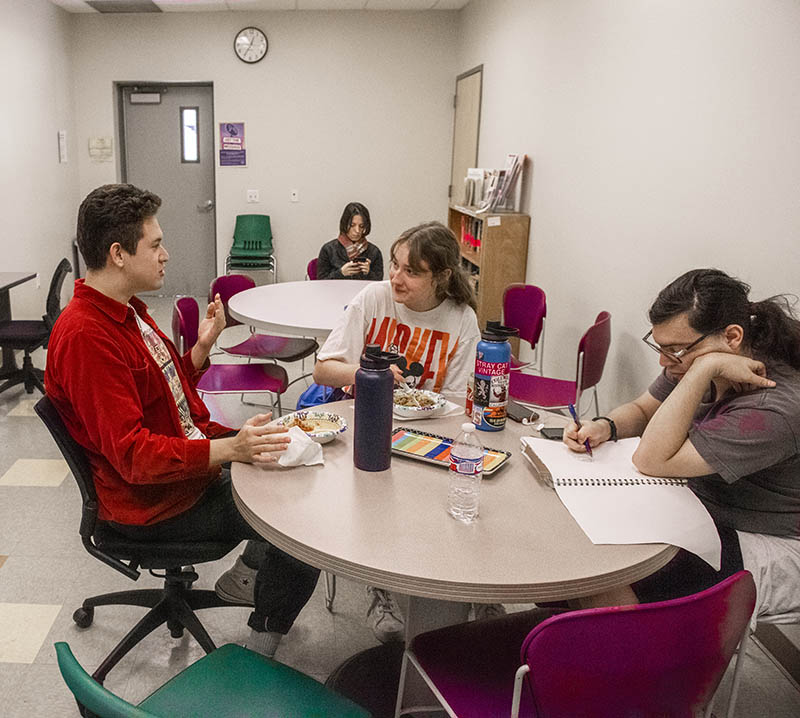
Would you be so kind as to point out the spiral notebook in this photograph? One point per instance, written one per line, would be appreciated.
(614, 503)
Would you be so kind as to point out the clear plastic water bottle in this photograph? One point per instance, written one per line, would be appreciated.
(466, 472)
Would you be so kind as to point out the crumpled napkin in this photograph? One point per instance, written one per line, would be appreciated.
(447, 409)
(301, 451)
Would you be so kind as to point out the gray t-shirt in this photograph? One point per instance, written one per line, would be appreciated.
(752, 440)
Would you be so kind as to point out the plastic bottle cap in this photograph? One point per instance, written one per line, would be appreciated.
(468, 426)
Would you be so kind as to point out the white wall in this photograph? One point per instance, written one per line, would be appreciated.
(37, 194)
(347, 106)
(665, 135)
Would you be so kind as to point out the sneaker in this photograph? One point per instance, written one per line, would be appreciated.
(237, 584)
(487, 610)
(384, 616)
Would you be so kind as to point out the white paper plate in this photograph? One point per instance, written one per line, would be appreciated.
(329, 425)
(419, 412)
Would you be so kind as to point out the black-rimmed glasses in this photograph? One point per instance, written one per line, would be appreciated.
(675, 356)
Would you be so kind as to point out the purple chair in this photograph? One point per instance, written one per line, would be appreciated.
(661, 659)
(551, 393)
(525, 309)
(257, 346)
(225, 378)
(311, 269)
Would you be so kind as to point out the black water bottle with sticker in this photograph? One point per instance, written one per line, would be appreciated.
(372, 430)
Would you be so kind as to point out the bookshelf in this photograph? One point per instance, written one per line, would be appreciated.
(494, 250)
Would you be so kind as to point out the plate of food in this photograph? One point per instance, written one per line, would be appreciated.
(417, 403)
(321, 426)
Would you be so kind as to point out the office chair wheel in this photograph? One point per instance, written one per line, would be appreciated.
(83, 617)
(175, 629)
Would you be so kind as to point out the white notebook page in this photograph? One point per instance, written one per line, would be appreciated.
(630, 513)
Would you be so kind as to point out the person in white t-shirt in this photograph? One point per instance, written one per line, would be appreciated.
(425, 313)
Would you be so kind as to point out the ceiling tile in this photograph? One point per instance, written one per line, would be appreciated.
(399, 4)
(331, 4)
(73, 5)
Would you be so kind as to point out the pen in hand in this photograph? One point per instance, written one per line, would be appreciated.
(577, 421)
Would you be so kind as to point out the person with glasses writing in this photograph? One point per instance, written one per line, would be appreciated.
(724, 413)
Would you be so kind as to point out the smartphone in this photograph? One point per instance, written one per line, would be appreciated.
(360, 259)
(552, 433)
(517, 412)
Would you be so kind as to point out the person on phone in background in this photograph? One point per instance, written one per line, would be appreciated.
(724, 413)
(425, 313)
(350, 255)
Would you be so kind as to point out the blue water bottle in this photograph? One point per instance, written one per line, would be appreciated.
(372, 429)
(492, 370)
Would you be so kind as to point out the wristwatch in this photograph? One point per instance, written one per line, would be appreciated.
(611, 424)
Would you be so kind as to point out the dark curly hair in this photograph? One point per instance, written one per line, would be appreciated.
(713, 300)
(113, 213)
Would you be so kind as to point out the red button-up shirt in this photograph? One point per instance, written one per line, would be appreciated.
(116, 403)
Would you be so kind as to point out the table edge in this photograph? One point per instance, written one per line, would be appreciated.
(448, 590)
(22, 280)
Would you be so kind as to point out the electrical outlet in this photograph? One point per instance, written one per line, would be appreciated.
(253, 196)
(294, 195)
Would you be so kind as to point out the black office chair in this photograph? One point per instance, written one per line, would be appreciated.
(28, 335)
(174, 604)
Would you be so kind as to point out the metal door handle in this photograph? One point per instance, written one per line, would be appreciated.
(207, 206)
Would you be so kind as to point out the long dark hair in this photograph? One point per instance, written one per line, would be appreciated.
(713, 300)
(437, 246)
(350, 211)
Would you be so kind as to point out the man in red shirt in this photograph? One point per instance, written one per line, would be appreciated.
(129, 398)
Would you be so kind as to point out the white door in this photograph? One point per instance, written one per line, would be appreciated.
(466, 128)
(168, 148)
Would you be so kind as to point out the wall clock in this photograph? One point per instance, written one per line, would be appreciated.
(250, 45)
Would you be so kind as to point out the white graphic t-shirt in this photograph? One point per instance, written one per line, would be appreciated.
(439, 345)
(163, 358)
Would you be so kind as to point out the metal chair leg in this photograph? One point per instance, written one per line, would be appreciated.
(737, 672)
(330, 590)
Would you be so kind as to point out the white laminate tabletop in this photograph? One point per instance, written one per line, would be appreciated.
(391, 529)
(309, 309)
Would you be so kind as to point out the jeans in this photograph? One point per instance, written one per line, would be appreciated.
(283, 584)
(686, 573)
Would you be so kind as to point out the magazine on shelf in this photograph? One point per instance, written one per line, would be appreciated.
(487, 190)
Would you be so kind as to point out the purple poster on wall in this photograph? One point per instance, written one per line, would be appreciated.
(231, 145)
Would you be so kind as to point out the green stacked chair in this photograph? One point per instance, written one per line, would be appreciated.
(230, 681)
(252, 245)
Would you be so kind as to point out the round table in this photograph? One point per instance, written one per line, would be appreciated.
(391, 528)
(308, 309)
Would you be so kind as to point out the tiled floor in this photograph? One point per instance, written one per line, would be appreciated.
(45, 574)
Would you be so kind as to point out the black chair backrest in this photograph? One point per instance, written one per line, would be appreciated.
(76, 459)
(99, 538)
(53, 305)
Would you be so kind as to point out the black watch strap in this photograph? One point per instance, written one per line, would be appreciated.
(611, 423)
